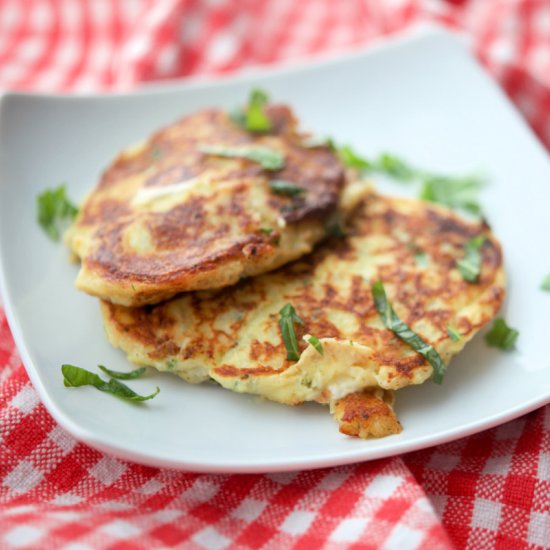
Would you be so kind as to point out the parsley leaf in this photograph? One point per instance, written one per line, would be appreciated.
(288, 317)
(132, 375)
(269, 159)
(54, 210)
(501, 335)
(470, 265)
(314, 341)
(405, 333)
(76, 377)
(545, 285)
(283, 187)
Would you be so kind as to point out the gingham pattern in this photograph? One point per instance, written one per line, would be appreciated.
(486, 491)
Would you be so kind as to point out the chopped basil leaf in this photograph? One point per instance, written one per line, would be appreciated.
(132, 375)
(545, 285)
(395, 167)
(270, 159)
(283, 187)
(288, 317)
(454, 335)
(386, 163)
(351, 159)
(54, 210)
(76, 377)
(312, 142)
(256, 120)
(266, 230)
(470, 265)
(405, 333)
(501, 335)
(314, 341)
(253, 117)
(421, 259)
(454, 192)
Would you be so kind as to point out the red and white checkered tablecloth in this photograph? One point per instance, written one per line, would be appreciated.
(491, 490)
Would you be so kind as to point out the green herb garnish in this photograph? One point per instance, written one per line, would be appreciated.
(288, 317)
(76, 377)
(454, 192)
(395, 167)
(266, 230)
(454, 335)
(501, 335)
(470, 265)
(314, 341)
(312, 142)
(421, 259)
(270, 159)
(283, 187)
(353, 160)
(545, 285)
(256, 119)
(253, 118)
(132, 375)
(54, 211)
(405, 333)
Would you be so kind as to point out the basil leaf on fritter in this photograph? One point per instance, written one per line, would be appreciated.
(288, 317)
(405, 333)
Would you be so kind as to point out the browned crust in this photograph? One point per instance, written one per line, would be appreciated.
(366, 414)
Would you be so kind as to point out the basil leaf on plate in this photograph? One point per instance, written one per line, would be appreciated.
(352, 159)
(54, 211)
(76, 377)
(502, 336)
(395, 167)
(132, 375)
(454, 192)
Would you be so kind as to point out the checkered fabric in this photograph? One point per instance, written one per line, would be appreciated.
(490, 490)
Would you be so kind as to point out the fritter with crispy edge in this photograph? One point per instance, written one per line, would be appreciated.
(233, 335)
(170, 216)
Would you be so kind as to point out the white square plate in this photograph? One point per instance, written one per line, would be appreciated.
(420, 96)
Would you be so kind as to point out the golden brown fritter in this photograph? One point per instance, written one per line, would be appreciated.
(168, 217)
(232, 335)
